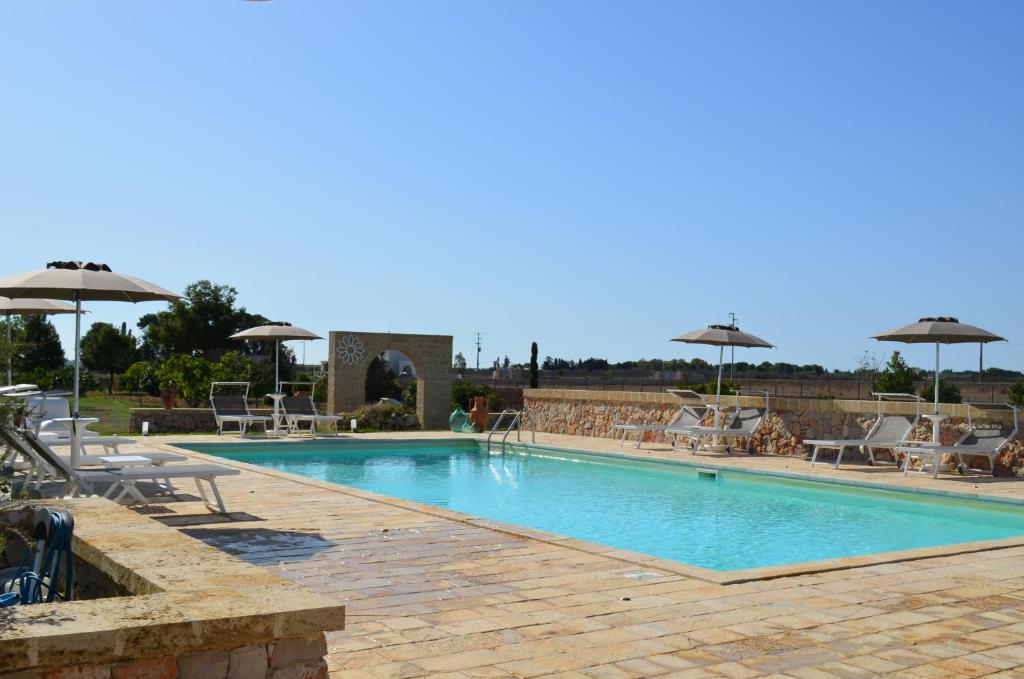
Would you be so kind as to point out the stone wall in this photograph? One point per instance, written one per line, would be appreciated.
(179, 420)
(790, 421)
(292, 658)
(189, 610)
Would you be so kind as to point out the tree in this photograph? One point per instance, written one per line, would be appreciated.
(200, 323)
(38, 346)
(1016, 394)
(948, 392)
(189, 375)
(459, 363)
(140, 377)
(506, 364)
(896, 378)
(107, 349)
(381, 382)
(533, 366)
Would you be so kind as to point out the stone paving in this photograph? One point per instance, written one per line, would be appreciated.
(430, 595)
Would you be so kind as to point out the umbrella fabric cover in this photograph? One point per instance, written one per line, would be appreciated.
(81, 281)
(938, 330)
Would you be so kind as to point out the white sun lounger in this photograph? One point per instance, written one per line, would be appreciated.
(740, 423)
(302, 409)
(123, 481)
(986, 441)
(687, 416)
(228, 408)
(888, 432)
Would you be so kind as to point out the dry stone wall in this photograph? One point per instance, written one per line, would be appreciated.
(790, 421)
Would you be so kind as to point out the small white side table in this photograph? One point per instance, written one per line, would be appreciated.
(278, 415)
(937, 420)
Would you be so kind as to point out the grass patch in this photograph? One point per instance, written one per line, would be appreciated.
(113, 410)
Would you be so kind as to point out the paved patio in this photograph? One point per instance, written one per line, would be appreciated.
(430, 595)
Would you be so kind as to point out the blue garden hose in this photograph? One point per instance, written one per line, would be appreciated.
(52, 533)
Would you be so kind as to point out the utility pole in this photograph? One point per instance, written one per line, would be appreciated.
(732, 351)
(478, 336)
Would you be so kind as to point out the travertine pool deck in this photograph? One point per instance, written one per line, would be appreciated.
(430, 595)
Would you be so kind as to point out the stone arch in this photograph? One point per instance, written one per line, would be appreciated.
(351, 352)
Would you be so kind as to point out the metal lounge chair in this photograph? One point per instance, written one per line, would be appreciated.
(888, 432)
(299, 409)
(687, 416)
(228, 408)
(742, 422)
(123, 481)
(986, 441)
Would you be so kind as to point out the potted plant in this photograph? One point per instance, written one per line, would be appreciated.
(167, 393)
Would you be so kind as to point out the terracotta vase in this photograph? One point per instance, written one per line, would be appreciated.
(478, 415)
(167, 395)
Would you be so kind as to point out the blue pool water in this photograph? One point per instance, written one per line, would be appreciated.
(735, 521)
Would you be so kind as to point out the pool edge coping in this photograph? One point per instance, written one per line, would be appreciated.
(737, 576)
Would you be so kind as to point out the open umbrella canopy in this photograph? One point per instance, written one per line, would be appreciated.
(723, 336)
(940, 330)
(81, 281)
(27, 306)
(84, 281)
(276, 331)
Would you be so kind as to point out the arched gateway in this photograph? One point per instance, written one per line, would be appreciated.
(431, 355)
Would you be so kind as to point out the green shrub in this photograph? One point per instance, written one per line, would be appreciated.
(320, 389)
(464, 391)
(409, 395)
(60, 378)
(897, 377)
(948, 393)
(383, 417)
(232, 367)
(728, 388)
(190, 376)
(140, 378)
(1016, 396)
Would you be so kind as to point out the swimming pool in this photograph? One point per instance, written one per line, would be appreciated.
(727, 521)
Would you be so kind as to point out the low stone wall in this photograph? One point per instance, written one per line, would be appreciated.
(178, 420)
(790, 422)
(184, 610)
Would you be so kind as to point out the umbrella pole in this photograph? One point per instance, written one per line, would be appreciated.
(277, 383)
(76, 438)
(78, 339)
(715, 440)
(10, 377)
(937, 422)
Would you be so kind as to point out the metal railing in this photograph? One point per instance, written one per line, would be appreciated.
(517, 423)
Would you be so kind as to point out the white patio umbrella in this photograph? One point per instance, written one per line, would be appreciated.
(78, 282)
(29, 307)
(939, 330)
(723, 336)
(279, 332)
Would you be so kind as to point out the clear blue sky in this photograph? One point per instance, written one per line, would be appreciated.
(598, 177)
